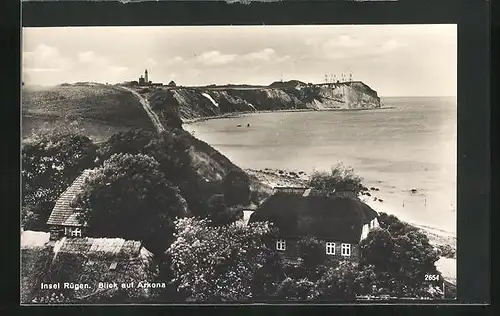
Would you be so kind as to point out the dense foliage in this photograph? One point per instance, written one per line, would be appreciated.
(340, 178)
(236, 186)
(50, 163)
(218, 263)
(312, 252)
(171, 150)
(401, 256)
(129, 197)
(221, 214)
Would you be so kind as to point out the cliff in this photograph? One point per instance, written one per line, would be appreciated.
(199, 102)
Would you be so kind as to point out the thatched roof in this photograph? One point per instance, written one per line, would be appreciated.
(330, 218)
(98, 247)
(90, 261)
(63, 213)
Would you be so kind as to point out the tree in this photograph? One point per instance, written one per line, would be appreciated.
(219, 263)
(171, 150)
(220, 214)
(236, 186)
(339, 283)
(340, 178)
(401, 257)
(51, 161)
(129, 197)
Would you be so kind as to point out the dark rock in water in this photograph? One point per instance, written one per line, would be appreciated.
(377, 189)
(374, 198)
(368, 194)
(380, 200)
(239, 125)
(372, 188)
(413, 190)
(248, 125)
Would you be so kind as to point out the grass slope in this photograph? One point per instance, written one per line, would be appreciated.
(100, 110)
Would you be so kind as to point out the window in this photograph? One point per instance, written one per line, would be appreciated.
(280, 245)
(77, 232)
(113, 266)
(330, 248)
(346, 249)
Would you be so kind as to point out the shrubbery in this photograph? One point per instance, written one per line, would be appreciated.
(340, 178)
(218, 263)
(401, 256)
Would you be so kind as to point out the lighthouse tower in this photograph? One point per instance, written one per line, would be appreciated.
(146, 76)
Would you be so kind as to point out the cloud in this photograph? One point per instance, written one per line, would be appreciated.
(347, 41)
(265, 54)
(215, 58)
(45, 58)
(340, 42)
(391, 45)
(174, 61)
(87, 57)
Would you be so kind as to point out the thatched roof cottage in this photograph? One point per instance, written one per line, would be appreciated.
(337, 220)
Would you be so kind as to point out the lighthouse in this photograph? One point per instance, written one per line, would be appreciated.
(146, 76)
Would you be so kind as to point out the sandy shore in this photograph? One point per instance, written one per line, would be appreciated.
(239, 114)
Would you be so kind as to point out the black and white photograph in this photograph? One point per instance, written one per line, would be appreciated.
(238, 164)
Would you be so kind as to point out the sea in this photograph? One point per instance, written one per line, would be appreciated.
(405, 150)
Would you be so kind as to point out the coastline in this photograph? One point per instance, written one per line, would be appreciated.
(239, 114)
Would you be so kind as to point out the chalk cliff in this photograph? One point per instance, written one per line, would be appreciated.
(199, 102)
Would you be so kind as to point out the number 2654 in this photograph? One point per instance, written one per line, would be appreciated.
(431, 277)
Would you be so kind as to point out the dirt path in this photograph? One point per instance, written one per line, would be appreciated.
(145, 104)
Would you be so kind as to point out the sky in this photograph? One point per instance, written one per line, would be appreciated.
(394, 60)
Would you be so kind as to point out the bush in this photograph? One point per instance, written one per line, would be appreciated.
(447, 251)
(312, 253)
(401, 257)
(340, 178)
(224, 263)
(296, 290)
(236, 186)
(220, 214)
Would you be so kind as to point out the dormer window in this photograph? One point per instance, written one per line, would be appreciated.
(281, 245)
(346, 250)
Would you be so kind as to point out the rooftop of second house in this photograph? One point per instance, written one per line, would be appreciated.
(63, 213)
(325, 217)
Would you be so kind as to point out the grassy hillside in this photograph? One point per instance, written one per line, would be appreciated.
(100, 110)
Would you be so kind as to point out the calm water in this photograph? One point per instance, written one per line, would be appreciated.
(410, 146)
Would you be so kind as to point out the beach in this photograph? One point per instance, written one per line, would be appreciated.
(405, 153)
